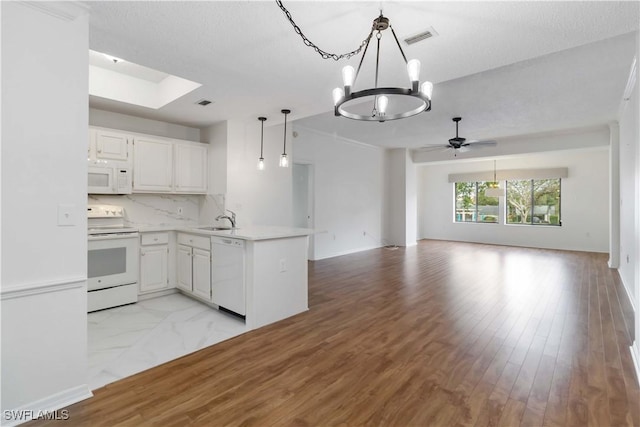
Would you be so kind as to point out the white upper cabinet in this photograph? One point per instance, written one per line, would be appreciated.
(160, 165)
(112, 145)
(191, 164)
(152, 165)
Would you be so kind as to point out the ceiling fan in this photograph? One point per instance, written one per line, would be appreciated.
(460, 144)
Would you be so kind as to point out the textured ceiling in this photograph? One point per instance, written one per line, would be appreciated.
(506, 67)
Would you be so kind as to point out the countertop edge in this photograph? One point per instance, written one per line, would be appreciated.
(254, 233)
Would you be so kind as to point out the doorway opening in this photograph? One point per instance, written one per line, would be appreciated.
(303, 196)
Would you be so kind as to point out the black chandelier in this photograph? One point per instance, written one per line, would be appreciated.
(345, 97)
(380, 95)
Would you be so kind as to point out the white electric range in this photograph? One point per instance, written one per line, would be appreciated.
(112, 262)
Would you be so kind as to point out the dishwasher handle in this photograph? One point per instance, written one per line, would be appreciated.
(216, 240)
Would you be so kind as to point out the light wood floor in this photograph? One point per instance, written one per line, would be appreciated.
(441, 334)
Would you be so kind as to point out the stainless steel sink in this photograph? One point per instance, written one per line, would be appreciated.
(214, 228)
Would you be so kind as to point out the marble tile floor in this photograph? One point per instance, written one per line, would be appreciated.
(123, 341)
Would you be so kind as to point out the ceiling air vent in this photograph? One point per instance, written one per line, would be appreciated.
(427, 34)
(204, 102)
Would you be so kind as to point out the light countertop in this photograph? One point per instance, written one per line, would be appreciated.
(244, 233)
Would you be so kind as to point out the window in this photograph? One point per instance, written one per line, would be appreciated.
(472, 205)
(533, 202)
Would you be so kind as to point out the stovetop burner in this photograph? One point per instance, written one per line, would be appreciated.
(107, 219)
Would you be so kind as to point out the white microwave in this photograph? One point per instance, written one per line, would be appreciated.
(109, 178)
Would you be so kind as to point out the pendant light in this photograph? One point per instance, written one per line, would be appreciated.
(494, 191)
(261, 160)
(284, 161)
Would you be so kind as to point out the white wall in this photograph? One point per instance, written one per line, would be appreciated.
(348, 181)
(585, 221)
(216, 137)
(402, 199)
(629, 192)
(44, 265)
(630, 201)
(257, 197)
(112, 120)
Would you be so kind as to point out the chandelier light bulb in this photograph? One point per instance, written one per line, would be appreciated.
(261, 164)
(348, 75)
(284, 162)
(383, 101)
(413, 68)
(427, 89)
(338, 94)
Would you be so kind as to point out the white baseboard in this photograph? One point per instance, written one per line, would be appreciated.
(142, 297)
(627, 291)
(636, 358)
(351, 251)
(46, 408)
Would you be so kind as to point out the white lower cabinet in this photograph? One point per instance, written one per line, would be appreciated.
(194, 265)
(154, 262)
(185, 276)
(202, 273)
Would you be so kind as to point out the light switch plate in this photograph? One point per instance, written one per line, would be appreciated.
(66, 215)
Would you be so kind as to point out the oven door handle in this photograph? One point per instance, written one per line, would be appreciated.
(114, 236)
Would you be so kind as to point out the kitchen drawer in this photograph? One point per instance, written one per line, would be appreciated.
(154, 239)
(202, 242)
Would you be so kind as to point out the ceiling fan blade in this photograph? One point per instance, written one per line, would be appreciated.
(463, 149)
(434, 148)
(479, 142)
(486, 143)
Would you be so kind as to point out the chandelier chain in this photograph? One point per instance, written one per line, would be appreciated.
(322, 53)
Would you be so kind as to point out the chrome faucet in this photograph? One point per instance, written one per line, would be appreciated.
(231, 218)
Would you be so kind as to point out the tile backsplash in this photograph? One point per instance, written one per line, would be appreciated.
(162, 209)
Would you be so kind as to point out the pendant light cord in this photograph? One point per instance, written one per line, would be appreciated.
(494, 171)
(322, 53)
(262, 119)
(284, 148)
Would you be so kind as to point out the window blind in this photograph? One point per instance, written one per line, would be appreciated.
(510, 174)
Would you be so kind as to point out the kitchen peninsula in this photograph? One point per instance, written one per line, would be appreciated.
(273, 262)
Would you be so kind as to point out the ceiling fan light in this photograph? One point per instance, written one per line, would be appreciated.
(494, 192)
(348, 75)
(338, 94)
(427, 89)
(413, 69)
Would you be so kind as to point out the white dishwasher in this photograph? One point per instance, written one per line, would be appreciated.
(227, 274)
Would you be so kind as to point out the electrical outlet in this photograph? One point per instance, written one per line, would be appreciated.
(66, 215)
(283, 265)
